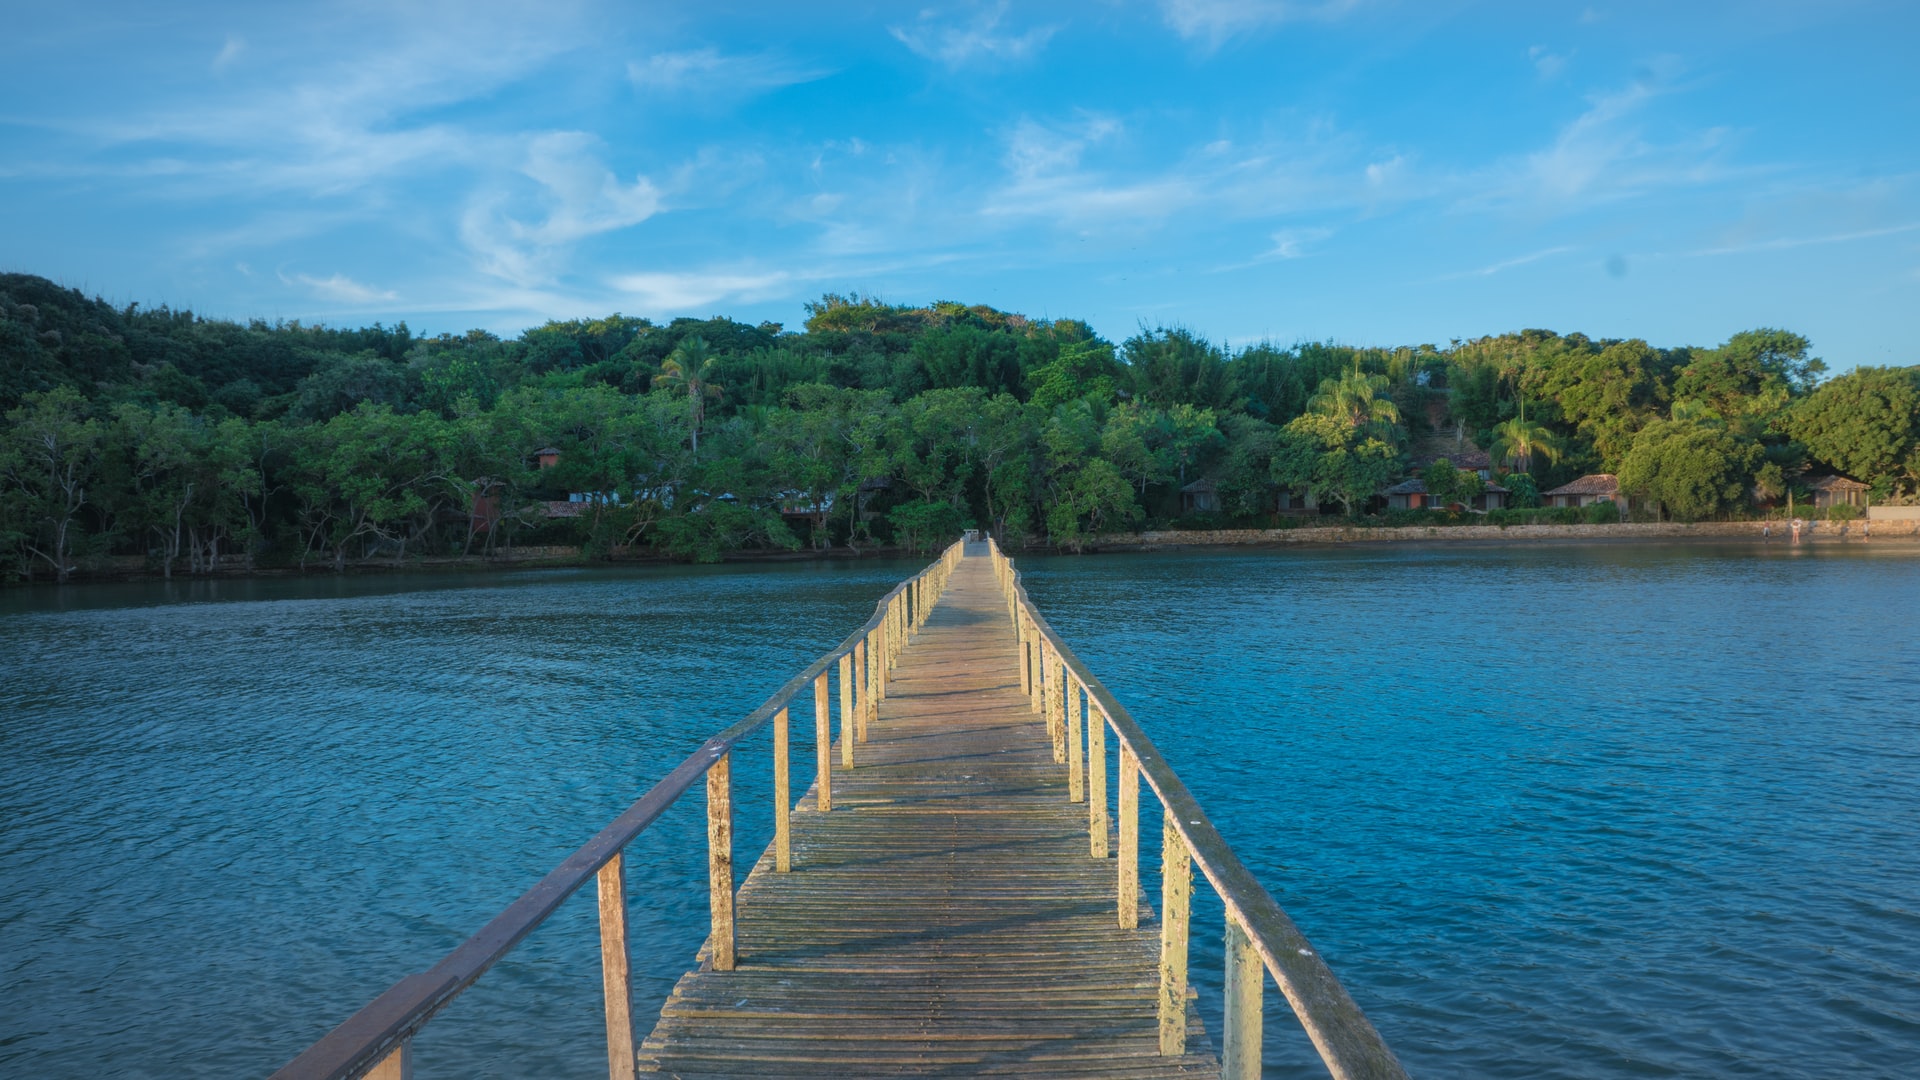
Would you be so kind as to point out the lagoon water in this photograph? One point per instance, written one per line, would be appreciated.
(1575, 811)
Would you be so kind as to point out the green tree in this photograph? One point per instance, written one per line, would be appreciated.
(49, 457)
(1692, 470)
(1094, 496)
(1865, 423)
(1358, 400)
(690, 369)
(1518, 441)
(1331, 459)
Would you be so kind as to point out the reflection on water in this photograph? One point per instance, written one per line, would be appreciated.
(1574, 811)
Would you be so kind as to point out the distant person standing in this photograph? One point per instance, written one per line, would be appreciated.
(1766, 533)
(1796, 530)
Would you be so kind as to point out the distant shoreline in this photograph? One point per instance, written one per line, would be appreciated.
(1823, 533)
(1816, 532)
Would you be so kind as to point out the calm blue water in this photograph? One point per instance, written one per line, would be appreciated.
(1567, 811)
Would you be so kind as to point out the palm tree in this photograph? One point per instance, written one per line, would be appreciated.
(1355, 397)
(1516, 441)
(691, 367)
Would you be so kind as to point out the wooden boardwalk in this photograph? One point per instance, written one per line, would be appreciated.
(944, 918)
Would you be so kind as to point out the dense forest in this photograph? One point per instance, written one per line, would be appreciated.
(194, 442)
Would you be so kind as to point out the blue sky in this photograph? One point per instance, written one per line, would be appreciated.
(1368, 171)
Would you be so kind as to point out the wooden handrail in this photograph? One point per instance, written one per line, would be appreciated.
(377, 1037)
(1347, 1041)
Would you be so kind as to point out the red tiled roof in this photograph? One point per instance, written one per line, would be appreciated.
(1591, 484)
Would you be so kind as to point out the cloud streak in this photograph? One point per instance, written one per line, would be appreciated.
(972, 41)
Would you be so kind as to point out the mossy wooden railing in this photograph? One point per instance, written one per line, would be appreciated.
(1260, 939)
(376, 1041)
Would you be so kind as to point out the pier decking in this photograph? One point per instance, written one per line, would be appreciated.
(956, 894)
(946, 916)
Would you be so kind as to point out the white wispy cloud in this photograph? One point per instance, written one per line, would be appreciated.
(1604, 154)
(709, 71)
(1507, 264)
(671, 292)
(578, 196)
(1049, 181)
(1788, 243)
(979, 38)
(1214, 21)
(342, 288)
(1547, 64)
(229, 52)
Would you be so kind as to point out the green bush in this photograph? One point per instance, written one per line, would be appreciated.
(1602, 513)
(1548, 515)
(1845, 513)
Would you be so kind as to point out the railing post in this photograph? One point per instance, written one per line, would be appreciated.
(1076, 756)
(1176, 902)
(1026, 662)
(1096, 780)
(782, 794)
(863, 693)
(613, 969)
(847, 722)
(870, 660)
(720, 860)
(1245, 982)
(1057, 703)
(397, 1065)
(1129, 888)
(823, 745)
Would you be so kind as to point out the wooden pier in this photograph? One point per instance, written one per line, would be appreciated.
(956, 895)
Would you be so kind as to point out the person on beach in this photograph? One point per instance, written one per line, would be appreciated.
(1796, 530)
(1766, 534)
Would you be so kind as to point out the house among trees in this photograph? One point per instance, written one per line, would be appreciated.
(1408, 495)
(1589, 489)
(546, 457)
(1836, 491)
(1412, 494)
(1200, 497)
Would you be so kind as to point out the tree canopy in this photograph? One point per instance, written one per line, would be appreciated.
(159, 433)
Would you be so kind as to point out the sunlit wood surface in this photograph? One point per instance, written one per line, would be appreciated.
(946, 917)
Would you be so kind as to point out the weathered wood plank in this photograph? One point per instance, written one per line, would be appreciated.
(947, 917)
(613, 969)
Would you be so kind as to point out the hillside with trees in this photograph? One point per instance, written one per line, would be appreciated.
(191, 441)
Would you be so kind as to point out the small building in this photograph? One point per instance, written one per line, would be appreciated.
(1589, 489)
(1412, 494)
(546, 457)
(1200, 497)
(1409, 495)
(484, 512)
(1836, 491)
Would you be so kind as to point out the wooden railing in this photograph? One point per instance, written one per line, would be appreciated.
(376, 1041)
(1260, 938)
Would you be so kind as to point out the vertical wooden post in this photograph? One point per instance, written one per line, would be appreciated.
(782, 795)
(1026, 660)
(823, 746)
(1246, 980)
(863, 700)
(847, 722)
(1057, 703)
(1076, 756)
(1096, 779)
(1176, 903)
(397, 1065)
(613, 969)
(720, 860)
(1129, 838)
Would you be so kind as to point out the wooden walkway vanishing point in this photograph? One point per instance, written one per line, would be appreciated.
(954, 896)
